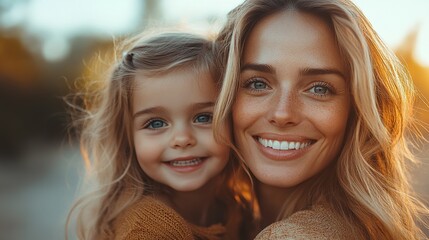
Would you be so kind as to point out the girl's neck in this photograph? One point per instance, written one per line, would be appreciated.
(271, 202)
(198, 207)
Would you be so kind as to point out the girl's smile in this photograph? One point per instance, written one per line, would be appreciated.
(186, 164)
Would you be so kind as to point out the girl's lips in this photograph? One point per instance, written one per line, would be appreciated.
(185, 165)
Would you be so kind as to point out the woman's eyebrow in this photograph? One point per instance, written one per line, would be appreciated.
(321, 71)
(258, 67)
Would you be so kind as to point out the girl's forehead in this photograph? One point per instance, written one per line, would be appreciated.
(180, 76)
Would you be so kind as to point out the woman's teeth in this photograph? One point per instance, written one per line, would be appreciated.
(186, 163)
(283, 145)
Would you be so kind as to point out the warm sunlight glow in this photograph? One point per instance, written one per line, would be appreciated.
(422, 50)
(392, 19)
(395, 19)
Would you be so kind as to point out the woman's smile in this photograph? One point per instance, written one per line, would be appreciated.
(284, 145)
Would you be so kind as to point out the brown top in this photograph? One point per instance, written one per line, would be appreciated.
(150, 218)
(320, 222)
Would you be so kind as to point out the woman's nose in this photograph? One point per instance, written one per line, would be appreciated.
(182, 137)
(284, 109)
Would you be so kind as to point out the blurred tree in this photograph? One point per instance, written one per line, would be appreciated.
(31, 88)
(18, 66)
(19, 75)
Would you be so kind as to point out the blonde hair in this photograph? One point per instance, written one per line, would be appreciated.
(106, 131)
(368, 183)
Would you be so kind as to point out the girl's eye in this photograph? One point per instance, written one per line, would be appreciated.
(320, 89)
(155, 124)
(204, 118)
(256, 84)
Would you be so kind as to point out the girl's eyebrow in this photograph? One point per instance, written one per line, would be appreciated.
(148, 110)
(160, 110)
(202, 105)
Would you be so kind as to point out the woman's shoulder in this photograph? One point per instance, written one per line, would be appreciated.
(150, 218)
(319, 222)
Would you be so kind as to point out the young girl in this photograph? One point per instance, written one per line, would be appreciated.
(320, 110)
(159, 173)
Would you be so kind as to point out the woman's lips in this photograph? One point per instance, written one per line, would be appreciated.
(282, 150)
(284, 145)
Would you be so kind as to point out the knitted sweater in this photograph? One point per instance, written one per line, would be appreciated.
(149, 218)
(320, 222)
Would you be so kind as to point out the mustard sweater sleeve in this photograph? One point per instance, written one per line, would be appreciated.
(151, 219)
(320, 222)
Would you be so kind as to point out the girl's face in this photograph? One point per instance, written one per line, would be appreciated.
(293, 103)
(173, 129)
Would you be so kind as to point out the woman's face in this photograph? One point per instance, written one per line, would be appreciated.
(293, 103)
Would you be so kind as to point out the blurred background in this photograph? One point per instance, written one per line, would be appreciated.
(47, 47)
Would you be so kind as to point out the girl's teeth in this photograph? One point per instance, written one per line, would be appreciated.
(282, 145)
(186, 163)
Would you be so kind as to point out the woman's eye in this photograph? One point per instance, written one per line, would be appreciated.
(256, 84)
(154, 124)
(204, 118)
(320, 89)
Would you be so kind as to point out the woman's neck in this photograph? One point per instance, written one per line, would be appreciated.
(198, 207)
(271, 202)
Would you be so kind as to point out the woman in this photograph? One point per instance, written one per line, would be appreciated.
(320, 107)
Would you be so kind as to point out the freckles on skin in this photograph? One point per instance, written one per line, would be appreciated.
(332, 120)
(299, 51)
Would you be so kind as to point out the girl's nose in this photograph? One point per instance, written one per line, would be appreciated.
(182, 137)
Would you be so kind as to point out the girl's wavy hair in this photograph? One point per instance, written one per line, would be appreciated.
(368, 184)
(105, 126)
